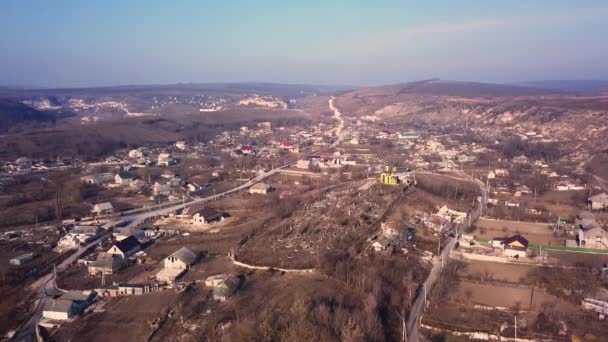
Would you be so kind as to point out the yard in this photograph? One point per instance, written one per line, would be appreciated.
(539, 233)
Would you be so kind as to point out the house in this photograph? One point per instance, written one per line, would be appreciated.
(164, 159)
(58, 309)
(121, 233)
(224, 285)
(181, 145)
(593, 237)
(392, 230)
(23, 163)
(491, 175)
(247, 149)
(380, 244)
(512, 203)
(260, 188)
(303, 164)
(161, 189)
(521, 160)
(124, 177)
(136, 154)
(183, 258)
(104, 208)
(126, 247)
(22, 259)
(134, 289)
(67, 305)
(169, 275)
(515, 246)
(290, 146)
(97, 179)
(203, 215)
(105, 264)
(598, 202)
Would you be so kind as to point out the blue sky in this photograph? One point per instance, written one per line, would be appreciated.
(63, 43)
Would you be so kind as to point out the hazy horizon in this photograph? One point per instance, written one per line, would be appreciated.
(71, 44)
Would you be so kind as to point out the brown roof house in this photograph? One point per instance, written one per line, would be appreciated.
(203, 215)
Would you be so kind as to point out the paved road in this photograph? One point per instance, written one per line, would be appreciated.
(46, 285)
(418, 306)
(47, 288)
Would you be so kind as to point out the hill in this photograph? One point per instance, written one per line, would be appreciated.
(582, 86)
(15, 114)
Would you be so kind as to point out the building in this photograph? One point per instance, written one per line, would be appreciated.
(183, 258)
(134, 289)
(97, 179)
(388, 177)
(169, 275)
(303, 164)
(125, 248)
(224, 285)
(260, 188)
(121, 233)
(181, 145)
(22, 259)
(67, 305)
(380, 244)
(124, 177)
(515, 246)
(23, 163)
(136, 154)
(593, 237)
(105, 264)
(102, 209)
(598, 202)
(164, 159)
(199, 214)
(58, 309)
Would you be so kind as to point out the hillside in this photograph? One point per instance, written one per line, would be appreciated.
(579, 122)
(15, 114)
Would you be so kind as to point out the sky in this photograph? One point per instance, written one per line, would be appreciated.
(63, 43)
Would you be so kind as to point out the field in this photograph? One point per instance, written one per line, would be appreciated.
(126, 318)
(539, 233)
(509, 273)
(529, 298)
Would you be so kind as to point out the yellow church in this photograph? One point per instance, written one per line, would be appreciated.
(388, 177)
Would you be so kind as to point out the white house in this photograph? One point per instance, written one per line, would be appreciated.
(598, 202)
(126, 247)
(164, 159)
(102, 208)
(595, 237)
(183, 258)
(260, 188)
(136, 154)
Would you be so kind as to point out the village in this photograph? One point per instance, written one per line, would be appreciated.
(210, 219)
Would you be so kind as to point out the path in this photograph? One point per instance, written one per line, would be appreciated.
(340, 129)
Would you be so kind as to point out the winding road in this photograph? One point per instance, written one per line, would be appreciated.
(339, 130)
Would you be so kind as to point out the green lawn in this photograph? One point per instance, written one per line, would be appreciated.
(555, 248)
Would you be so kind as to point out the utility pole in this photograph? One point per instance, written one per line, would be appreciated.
(439, 246)
(404, 337)
(425, 301)
(515, 327)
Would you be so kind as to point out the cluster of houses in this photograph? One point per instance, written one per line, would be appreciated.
(444, 219)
